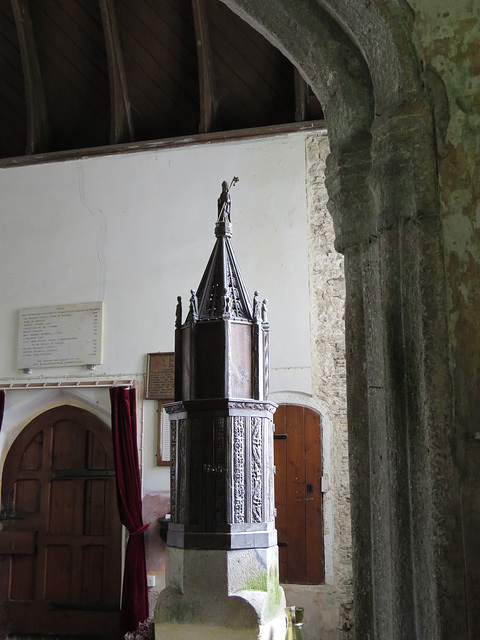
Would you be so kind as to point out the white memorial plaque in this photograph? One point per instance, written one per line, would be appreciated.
(60, 336)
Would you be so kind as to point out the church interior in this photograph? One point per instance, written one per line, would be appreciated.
(354, 129)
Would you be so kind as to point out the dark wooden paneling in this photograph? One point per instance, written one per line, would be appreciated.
(209, 356)
(69, 446)
(254, 87)
(27, 496)
(10, 49)
(297, 559)
(250, 83)
(17, 542)
(96, 503)
(23, 577)
(96, 454)
(58, 573)
(313, 508)
(12, 89)
(280, 456)
(93, 579)
(63, 505)
(73, 61)
(161, 70)
(81, 43)
(32, 457)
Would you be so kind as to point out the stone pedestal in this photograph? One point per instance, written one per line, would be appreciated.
(221, 594)
(222, 554)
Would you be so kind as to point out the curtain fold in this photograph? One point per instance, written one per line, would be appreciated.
(2, 406)
(124, 432)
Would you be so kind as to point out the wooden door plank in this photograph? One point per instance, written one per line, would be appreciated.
(69, 443)
(280, 459)
(32, 457)
(96, 492)
(299, 512)
(58, 573)
(27, 496)
(112, 567)
(313, 504)
(62, 507)
(296, 562)
(17, 542)
(93, 578)
(96, 454)
(22, 584)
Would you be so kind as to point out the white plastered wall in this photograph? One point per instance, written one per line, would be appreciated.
(135, 230)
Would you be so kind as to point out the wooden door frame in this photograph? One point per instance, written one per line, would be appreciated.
(306, 400)
(295, 415)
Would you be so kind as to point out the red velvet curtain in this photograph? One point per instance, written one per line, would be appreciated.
(124, 431)
(2, 405)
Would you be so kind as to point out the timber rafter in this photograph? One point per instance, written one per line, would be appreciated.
(82, 75)
(121, 129)
(38, 128)
(206, 73)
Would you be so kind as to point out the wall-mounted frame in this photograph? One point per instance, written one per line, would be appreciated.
(160, 384)
(163, 436)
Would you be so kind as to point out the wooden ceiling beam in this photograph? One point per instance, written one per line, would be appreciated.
(301, 96)
(38, 127)
(121, 128)
(206, 73)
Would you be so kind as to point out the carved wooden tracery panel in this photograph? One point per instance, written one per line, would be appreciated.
(173, 469)
(182, 471)
(257, 469)
(239, 469)
(220, 485)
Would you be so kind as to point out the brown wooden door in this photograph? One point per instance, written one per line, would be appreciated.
(298, 497)
(60, 546)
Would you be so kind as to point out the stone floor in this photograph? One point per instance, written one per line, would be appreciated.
(49, 637)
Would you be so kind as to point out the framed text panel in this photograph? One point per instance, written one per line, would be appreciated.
(160, 376)
(59, 336)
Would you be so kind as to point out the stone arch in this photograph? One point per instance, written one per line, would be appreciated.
(361, 60)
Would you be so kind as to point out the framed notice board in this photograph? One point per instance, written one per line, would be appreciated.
(160, 376)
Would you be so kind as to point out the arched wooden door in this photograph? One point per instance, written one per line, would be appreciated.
(60, 546)
(298, 495)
